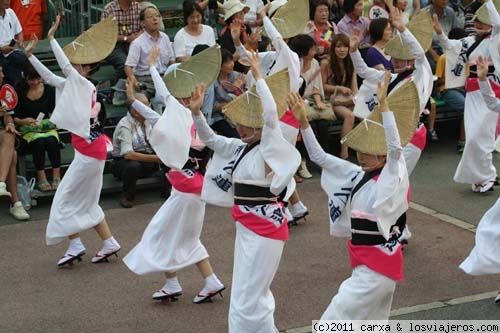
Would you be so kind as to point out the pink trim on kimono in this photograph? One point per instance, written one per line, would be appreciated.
(472, 84)
(419, 138)
(186, 181)
(378, 258)
(289, 119)
(357, 214)
(265, 220)
(96, 149)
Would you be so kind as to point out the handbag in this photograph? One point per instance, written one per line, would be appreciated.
(340, 99)
(314, 113)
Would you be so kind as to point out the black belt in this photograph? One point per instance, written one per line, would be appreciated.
(252, 195)
(365, 239)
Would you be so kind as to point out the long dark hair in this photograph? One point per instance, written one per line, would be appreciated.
(348, 70)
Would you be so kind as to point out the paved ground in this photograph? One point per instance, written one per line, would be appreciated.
(37, 296)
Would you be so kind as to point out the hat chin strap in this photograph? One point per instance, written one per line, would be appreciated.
(248, 139)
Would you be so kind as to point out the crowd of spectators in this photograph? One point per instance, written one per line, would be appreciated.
(330, 81)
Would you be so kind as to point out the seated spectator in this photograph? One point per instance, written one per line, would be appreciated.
(230, 37)
(143, 4)
(136, 66)
(127, 13)
(12, 60)
(8, 161)
(380, 34)
(340, 85)
(193, 33)
(32, 113)
(228, 85)
(135, 157)
(320, 28)
(32, 15)
(454, 97)
(353, 19)
(320, 112)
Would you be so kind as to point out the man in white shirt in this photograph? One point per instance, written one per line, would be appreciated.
(11, 33)
(136, 66)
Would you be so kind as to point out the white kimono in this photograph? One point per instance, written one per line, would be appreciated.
(262, 229)
(368, 293)
(366, 100)
(273, 62)
(484, 257)
(75, 207)
(476, 165)
(171, 240)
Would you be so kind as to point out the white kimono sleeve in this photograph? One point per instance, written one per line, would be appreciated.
(366, 100)
(392, 185)
(171, 134)
(489, 96)
(73, 106)
(422, 75)
(279, 154)
(338, 178)
(218, 181)
(484, 258)
(286, 57)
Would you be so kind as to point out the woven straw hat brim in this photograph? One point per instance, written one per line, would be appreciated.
(232, 7)
(203, 67)
(291, 18)
(369, 136)
(482, 14)
(94, 44)
(421, 27)
(247, 109)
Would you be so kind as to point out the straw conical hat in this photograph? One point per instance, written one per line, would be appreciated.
(94, 44)
(291, 18)
(482, 14)
(203, 67)
(369, 136)
(421, 27)
(247, 109)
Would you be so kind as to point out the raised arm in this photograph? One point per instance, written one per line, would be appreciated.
(270, 113)
(414, 45)
(49, 77)
(160, 87)
(394, 149)
(61, 58)
(360, 66)
(207, 135)
(484, 85)
(143, 109)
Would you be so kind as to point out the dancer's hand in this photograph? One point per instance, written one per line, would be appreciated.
(53, 28)
(354, 40)
(197, 97)
(31, 46)
(296, 103)
(253, 59)
(482, 68)
(436, 24)
(382, 91)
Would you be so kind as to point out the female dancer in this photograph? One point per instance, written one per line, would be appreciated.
(75, 207)
(251, 175)
(484, 258)
(373, 197)
(476, 165)
(171, 241)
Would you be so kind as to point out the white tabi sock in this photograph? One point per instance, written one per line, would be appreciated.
(212, 283)
(110, 244)
(75, 246)
(172, 285)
